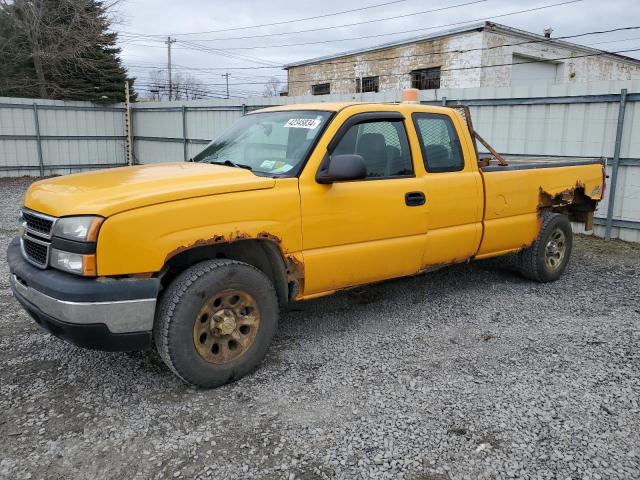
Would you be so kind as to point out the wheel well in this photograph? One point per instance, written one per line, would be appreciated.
(265, 255)
(573, 203)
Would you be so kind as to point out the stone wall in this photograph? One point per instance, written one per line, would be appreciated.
(393, 65)
(394, 72)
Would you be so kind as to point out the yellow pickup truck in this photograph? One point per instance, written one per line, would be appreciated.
(290, 203)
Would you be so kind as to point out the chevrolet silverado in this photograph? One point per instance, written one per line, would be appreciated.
(291, 203)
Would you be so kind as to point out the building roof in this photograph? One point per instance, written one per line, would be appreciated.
(475, 27)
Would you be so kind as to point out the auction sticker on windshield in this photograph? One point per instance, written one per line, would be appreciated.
(310, 123)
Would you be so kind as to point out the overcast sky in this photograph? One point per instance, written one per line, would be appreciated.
(207, 55)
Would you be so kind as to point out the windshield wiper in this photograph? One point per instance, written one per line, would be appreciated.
(229, 163)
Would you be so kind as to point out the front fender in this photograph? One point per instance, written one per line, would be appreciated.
(143, 239)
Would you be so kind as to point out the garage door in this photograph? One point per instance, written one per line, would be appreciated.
(526, 71)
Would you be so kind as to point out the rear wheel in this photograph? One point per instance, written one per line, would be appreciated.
(547, 258)
(215, 322)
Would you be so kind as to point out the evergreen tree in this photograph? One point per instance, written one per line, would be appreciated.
(59, 49)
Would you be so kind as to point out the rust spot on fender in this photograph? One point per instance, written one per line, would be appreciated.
(295, 269)
(573, 202)
(220, 239)
(269, 236)
(437, 266)
(565, 197)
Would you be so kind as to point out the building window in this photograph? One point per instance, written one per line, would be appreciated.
(426, 78)
(320, 89)
(369, 84)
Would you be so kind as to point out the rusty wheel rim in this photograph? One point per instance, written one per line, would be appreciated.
(226, 326)
(555, 249)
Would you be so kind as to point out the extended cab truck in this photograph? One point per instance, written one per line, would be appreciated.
(291, 203)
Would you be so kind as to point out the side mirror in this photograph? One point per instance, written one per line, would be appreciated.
(342, 168)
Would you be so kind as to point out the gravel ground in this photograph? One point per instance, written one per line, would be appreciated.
(469, 372)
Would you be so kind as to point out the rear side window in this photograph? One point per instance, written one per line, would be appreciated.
(383, 145)
(439, 142)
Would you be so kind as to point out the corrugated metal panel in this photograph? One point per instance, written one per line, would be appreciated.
(59, 119)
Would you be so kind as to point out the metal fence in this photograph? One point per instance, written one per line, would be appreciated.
(582, 120)
(46, 137)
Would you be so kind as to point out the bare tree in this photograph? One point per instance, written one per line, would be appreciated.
(183, 86)
(157, 88)
(188, 87)
(272, 87)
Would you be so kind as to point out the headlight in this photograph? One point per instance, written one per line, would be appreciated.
(73, 262)
(80, 229)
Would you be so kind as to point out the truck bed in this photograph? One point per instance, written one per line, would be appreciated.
(526, 162)
(516, 194)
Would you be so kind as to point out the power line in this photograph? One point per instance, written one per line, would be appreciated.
(442, 52)
(217, 51)
(613, 41)
(200, 71)
(282, 22)
(196, 86)
(186, 90)
(191, 42)
(347, 24)
(190, 46)
(421, 29)
(215, 68)
(238, 56)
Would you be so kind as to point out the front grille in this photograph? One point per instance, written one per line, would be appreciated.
(36, 235)
(37, 223)
(36, 252)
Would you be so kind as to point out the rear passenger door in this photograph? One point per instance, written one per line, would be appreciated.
(453, 189)
(367, 230)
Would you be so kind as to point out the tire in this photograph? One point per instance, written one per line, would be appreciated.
(197, 322)
(547, 258)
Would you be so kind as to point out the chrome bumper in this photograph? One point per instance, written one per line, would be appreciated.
(123, 316)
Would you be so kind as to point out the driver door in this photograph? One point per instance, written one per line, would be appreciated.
(362, 231)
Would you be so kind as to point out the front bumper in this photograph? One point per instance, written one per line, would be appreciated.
(99, 313)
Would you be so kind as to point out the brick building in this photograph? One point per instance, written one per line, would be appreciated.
(484, 54)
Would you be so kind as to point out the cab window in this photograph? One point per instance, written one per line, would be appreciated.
(439, 142)
(382, 144)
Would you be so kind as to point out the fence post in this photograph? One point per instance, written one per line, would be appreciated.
(184, 133)
(244, 109)
(132, 138)
(616, 163)
(36, 123)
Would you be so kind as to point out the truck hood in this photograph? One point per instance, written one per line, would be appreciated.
(111, 191)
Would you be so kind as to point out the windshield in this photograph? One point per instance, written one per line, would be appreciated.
(273, 143)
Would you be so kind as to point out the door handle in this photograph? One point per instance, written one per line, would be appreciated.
(414, 199)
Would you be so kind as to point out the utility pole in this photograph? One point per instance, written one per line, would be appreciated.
(169, 42)
(226, 75)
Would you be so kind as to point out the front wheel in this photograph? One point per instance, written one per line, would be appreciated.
(215, 322)
(547, 258)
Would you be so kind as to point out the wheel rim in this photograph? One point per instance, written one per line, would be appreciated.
(226, 326)
(555, 249)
